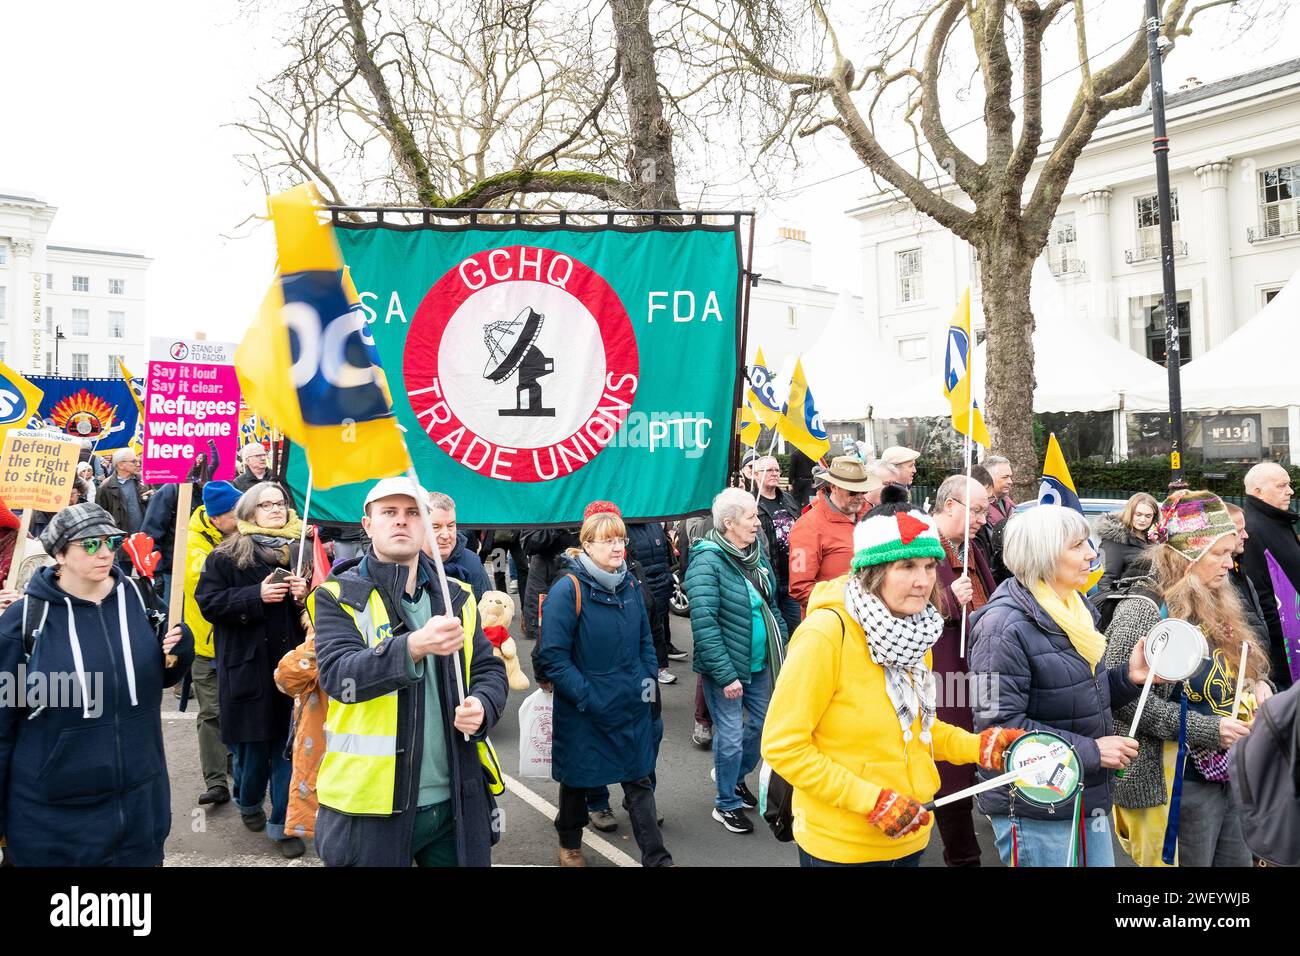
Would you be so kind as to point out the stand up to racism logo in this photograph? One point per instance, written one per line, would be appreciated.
(521, 364)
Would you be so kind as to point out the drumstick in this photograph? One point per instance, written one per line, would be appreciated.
(1000, 781)
(1146, 688)
(1241, 678)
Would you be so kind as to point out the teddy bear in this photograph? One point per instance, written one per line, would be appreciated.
(497, 610)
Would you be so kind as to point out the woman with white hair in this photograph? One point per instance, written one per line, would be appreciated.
(738, 631)
(1038, 658)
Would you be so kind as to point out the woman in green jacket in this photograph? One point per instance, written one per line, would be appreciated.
(739, 635)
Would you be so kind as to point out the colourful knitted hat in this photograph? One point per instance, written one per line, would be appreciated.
(600, 507)
(881, 538)
(1191, 522)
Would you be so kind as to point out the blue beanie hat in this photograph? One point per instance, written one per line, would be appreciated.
(220, 497)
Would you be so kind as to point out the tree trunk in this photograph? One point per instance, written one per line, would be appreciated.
(1005, 270)
(650, 166)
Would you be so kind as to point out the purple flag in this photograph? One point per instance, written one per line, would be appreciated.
(1288, 609)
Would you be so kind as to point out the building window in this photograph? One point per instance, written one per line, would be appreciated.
(1270, 295)
(2, 350)
(113, 368)
(1063, 246)
(49, 319)
(117, 287)
(80, 324)
(3, 313)
(4, 254)
(1277, 436)
(974, 270)
(910, 286)
(117, 325)
(80, 363)
(81, 283)
(792, 317)
(49, 363)
(1278, 191)
(914, 349)
(49, 280)
(1155, 325)
(1148, 227)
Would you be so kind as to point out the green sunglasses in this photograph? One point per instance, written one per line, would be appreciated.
(92, 545)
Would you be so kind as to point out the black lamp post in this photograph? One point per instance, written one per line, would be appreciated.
(1160, 146)
(58, 337)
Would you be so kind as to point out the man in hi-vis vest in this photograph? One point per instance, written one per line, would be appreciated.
(399, 781)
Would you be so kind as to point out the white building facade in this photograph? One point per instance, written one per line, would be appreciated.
(67, 309)
(787, 312)
(1235, 174)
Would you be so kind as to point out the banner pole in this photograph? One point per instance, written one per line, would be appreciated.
(20, 547)
(442, 578)
(306, 507)
(180, 553)
(965, 551)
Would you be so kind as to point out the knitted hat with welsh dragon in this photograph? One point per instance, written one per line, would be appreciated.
(894, 533)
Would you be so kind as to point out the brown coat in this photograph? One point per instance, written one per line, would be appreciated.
(296, 676)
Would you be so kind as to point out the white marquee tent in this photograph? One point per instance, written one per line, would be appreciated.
(847, 368)
(1258, 366)
(1075, 369)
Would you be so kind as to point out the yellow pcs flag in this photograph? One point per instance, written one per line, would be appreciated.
(801, 423)
(966, 416)
(1057, 488)
(19, 398)
(761, 393)
(339, 411)
(747, 426)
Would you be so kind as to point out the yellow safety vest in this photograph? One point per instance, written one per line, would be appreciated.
(358, 773)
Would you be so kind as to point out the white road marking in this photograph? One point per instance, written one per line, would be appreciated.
(179, 714)
(542, 806)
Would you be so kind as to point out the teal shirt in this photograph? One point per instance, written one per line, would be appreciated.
(435, 764)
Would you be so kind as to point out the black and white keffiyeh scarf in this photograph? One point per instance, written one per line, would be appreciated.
(899, 644)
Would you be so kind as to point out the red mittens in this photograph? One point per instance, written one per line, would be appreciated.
(897, 815)
(994, 744)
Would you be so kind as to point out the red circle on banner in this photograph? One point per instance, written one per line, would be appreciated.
(503, 363)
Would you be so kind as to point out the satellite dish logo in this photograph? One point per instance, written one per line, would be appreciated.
(179, 351)
(522, 364)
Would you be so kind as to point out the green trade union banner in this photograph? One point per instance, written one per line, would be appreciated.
(537, 368)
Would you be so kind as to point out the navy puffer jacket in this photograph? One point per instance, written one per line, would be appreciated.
(649, 544)
(1030, 676)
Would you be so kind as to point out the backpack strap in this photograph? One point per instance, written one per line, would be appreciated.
(30, 634)
(577, 594)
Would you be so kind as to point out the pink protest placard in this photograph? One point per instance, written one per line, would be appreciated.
(191, 408)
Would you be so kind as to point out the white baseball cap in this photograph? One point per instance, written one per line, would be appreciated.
(387, 487)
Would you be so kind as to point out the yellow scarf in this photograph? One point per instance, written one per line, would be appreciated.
(1075, 619)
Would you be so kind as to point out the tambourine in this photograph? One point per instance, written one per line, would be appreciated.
(1176, 649)
(1042, 769)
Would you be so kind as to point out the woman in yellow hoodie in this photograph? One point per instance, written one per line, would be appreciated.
(852, 723)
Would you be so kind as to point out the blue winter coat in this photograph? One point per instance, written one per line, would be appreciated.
(602, 663)
(464, 565)
(1028, 675)
(649, 544)
(78, 790)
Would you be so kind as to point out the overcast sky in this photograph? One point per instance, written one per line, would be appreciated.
(114, 113)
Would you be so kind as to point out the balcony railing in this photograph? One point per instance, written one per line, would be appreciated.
(1146, 253)
(1066, 267)
(1272, 230)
